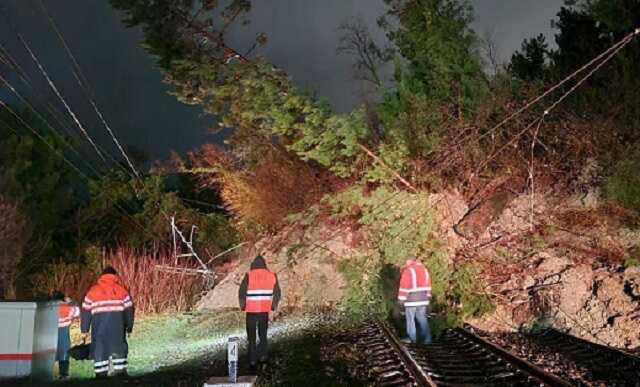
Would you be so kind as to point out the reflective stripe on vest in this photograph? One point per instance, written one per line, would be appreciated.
(66, 314)
(260, 291)
(415, 285)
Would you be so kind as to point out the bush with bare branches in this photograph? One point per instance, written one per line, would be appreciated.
(263, 194)
(153, 290)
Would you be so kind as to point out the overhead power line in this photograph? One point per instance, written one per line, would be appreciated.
(64, 102)
(84, 85)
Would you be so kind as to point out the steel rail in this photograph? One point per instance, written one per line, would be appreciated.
(420, 377)
(526, 367)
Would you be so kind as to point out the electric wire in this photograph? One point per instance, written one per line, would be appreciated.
(39, 116)
(621, 43)
(64, 102)
(70, 163)
(84, 85)
(53, 112)
(11, 62)
(608, 55)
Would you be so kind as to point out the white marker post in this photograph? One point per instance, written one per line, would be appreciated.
(232, 358)
(233, 380)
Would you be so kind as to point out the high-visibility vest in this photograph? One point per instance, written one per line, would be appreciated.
(66, 314)
(108, 296)
(260, 291)
(415, 285)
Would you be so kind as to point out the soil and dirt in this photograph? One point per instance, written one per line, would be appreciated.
(308, 273)
(567, 269)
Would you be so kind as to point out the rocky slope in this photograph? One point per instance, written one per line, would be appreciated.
(566, 271)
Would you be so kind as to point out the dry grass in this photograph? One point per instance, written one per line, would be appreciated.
(153, 291)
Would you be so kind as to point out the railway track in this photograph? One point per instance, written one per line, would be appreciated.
(616, 367)
(458, 358)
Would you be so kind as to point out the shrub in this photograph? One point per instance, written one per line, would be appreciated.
(623, 185)
(265, 194)
(399, 224)
(73, 279)
(153, 290)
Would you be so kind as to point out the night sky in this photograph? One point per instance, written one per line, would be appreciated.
(128, 88)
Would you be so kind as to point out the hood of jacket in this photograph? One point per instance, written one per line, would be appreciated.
(258, 263)
(109, 280)
(111, 283)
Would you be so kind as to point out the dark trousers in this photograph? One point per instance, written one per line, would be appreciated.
(63, 367)
(62, 351)
(259, 322)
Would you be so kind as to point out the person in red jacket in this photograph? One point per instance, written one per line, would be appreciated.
(259, 294)
(67, 312)
(414, 294)
(107, 310)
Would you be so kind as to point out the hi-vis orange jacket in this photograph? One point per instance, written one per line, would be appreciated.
(107, 310)
(259, 290)
(66, 314)
(415, 285)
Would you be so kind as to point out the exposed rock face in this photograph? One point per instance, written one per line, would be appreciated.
(566, 279)
(489, 206)
(601, 310)
(450, 208)
(598, 305)
(307, 261)
(309, 277)
(566, 271)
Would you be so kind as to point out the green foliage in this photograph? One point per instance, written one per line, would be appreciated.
(631, 262)
(539, 326)
(36, 178)
(400, 224)
(123, 211)
(586, 28)
(255, 99)
(436, 39)
(175, 29)
(623, 185)
(261, 104)
(529, 64)
(438, 79)
(367, 295)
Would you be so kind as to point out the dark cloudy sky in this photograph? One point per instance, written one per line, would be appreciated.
(303, 35)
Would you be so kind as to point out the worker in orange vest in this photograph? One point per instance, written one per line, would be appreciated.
(107, 311)
(259, 294)
(414, 295)
(67, 312)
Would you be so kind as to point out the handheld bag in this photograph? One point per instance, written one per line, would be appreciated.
(80, 352)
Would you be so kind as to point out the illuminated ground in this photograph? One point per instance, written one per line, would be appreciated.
(183, 351)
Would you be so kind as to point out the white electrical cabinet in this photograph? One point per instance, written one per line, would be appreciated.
(28, 339)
